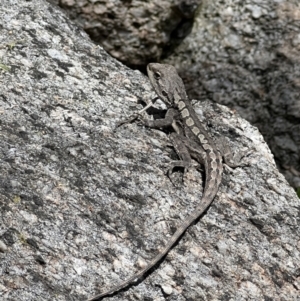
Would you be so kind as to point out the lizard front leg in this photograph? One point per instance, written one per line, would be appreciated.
(167, 121)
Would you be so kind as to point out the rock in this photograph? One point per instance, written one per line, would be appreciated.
(85, 205)
(137, 31)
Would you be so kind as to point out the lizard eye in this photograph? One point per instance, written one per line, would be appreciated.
(157, 75)
(164, 93)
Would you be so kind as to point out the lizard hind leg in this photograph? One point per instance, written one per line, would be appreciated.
(232, 160)
(182, 151)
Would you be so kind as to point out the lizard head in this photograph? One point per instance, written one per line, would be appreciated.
(167, 83)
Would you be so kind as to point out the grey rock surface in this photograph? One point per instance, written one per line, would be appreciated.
(245, 54)
(135, 32)
(84, 206)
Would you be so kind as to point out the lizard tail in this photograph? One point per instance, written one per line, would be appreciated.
(208, 197)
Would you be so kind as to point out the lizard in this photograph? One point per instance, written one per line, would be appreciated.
(170, 89)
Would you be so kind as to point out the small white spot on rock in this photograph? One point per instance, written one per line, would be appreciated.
(131, 99)
(233, 41)
(141, 263)
(228, 11)
(31, 218)
(121, 161)
(256, 11)
(167, 289)
(26, 62)
(3, 247)
(55, 54)
(79, 266)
